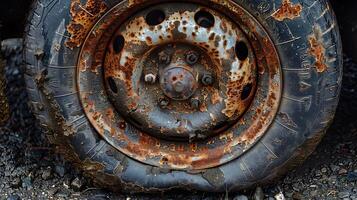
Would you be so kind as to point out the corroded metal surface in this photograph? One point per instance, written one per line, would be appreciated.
(317, 50)
(145, 44)
(287, 10)
(111, 78)
(83, 17)
(4, 106)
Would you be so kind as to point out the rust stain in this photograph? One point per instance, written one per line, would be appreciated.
(83, 18)
(234, 104)
(227, 136)
(317, 50)
(287, 11)
(216, 97)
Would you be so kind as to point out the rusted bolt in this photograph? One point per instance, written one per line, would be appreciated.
(150, 78)
(164, 58)
(192, 57)
(164, 102)
(195, 103)
(207, 79)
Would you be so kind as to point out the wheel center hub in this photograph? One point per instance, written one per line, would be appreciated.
(178, 82)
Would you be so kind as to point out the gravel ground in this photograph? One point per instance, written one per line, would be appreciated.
(29, 168)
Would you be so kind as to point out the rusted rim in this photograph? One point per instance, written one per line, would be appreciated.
(179, 85)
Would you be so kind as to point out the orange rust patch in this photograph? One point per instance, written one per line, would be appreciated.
(233, 101)
(83, 19)
(317, 50)
(287, 11)
(216, 97)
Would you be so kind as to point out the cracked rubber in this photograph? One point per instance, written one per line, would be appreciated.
(307, 107)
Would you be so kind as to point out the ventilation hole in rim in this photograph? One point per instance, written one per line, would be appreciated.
(242, 51)
(112, 85)
(155, 17)
(204, 19)
(118, 44)
(247, 89)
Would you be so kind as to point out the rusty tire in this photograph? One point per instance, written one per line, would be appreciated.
(296, 57)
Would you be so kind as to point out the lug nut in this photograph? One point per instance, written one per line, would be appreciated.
(195, 103)
(207, 79)
(163, 102)
(192, 57)
(150, 78)
(164, 58)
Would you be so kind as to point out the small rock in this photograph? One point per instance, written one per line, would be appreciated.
(342, 171)
(240, 197)
(353, 197)
(46, 174)
(313, 186)
(66, 183)
(16, 182)
(314, 193)
(324, 170)
(60, 170)
(352, 176)
(280, 196)
(318, 173)
(13, 197)
(296, 187)
(52, 191)
(297, 196)
(258, 194)
(342, 195)
(77, 184)
(334, 168)
(27, 183)
(63, 193)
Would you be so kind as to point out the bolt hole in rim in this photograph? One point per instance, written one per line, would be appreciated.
(118, 45)
(204, 19)
(231, 138)
(155, 17)
(247, 89)
(242, 50)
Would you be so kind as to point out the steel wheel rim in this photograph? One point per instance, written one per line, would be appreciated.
(219, 148)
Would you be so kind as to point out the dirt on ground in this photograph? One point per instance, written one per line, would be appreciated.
(30, 169)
